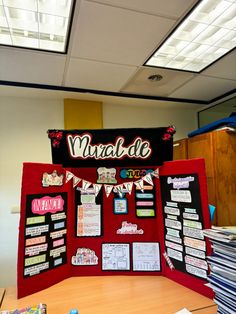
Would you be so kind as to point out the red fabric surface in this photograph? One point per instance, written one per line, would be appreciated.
(153, 227)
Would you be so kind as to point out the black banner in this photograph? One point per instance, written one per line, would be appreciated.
(112, 147)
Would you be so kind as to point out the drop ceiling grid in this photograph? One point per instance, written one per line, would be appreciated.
(110, 34)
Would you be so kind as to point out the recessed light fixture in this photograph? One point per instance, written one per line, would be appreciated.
(36, 24)
(205, 35)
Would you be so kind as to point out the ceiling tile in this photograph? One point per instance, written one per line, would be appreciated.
(140, 84)
(204, 88)
(97, 75)
(31, 67)
(117, 35)
(156, 7)
(225, 67)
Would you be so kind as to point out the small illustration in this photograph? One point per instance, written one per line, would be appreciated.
(129, 228)
(52, 179)
(84, 256)
(106, 175)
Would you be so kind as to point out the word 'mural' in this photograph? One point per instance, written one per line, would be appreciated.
(80, 146)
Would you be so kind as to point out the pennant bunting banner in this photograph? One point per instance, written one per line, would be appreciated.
(97, 188)
(108, 189)
(119, 189)
(125, 187)
(69, 176)
(139, 184)
(128, 186)
(148, 179)
(76, 181)
(155, 173)
(85, 184)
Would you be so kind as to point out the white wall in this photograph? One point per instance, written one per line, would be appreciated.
(119, 116)
(23, 126)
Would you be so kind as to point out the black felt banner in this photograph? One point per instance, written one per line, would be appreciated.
(111, 147)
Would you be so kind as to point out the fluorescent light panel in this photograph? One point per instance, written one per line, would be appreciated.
(207, 34)
(38, 24)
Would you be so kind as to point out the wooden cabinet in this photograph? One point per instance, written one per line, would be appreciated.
(218, 148)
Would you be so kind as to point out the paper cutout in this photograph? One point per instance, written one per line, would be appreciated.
(168, 260)
(57, 234)
(57, 252)
(84, 256)
(118, 189)
(36, 250)
(89, 220)
(129, 228)
(106, 175)
(35, 220)
(196, 271)
(58, 216)
(180, 183)
(69, 176)
(134, 173)
(115, 256)
(181, 196)
(34, 241)
(52, 179)
(35, 231)
(108, 189)
(145, 212)
(35, 260)
(76, 181)
(155, 173)
(139, 184)
(81, 146)
(36, 269)
(47, 204)
(146, 256)
(85, 184)
(175, 254)
(97, 188)
(120, 205)
(128, 186)
(148, 178)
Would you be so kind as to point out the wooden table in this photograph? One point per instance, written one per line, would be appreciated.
(115, 295)
(2, 292)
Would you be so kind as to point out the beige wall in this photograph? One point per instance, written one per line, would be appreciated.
(23, 126)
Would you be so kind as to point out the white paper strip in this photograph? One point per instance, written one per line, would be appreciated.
(108, 189)
(139, 184)
(155, 173)
(97, 188)
(128, 186)
(118, 189)
(76, 181)
(148, 179)
(69, 176)
(85, 184)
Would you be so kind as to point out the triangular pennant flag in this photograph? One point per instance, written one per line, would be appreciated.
(119, 189)
(108, 189)
(128, 186)
(69, 176)
(139, 184)
(97, 188)
(148, 178)
(85, 184)
(76, 180)
(155, 173)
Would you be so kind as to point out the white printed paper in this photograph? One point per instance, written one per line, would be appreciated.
(89, 220)
(196, 262)
(193, 233)
(195, 252)
(196, 271)
(115, 256)
(171, 210)
(183, 196)
(174, 246)
(197, 244)
(192, 224)
(146, 256)
(173, 224)
(175, 254)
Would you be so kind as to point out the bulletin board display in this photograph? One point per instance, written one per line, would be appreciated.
(185, 215)
(115, 214)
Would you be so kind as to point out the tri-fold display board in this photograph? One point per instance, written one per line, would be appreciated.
(113, 203)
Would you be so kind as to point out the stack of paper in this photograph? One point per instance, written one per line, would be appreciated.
(222, 278)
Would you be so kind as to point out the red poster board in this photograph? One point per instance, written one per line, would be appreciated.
(114, 220)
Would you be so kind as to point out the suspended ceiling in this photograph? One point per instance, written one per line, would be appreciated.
(110, 41)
